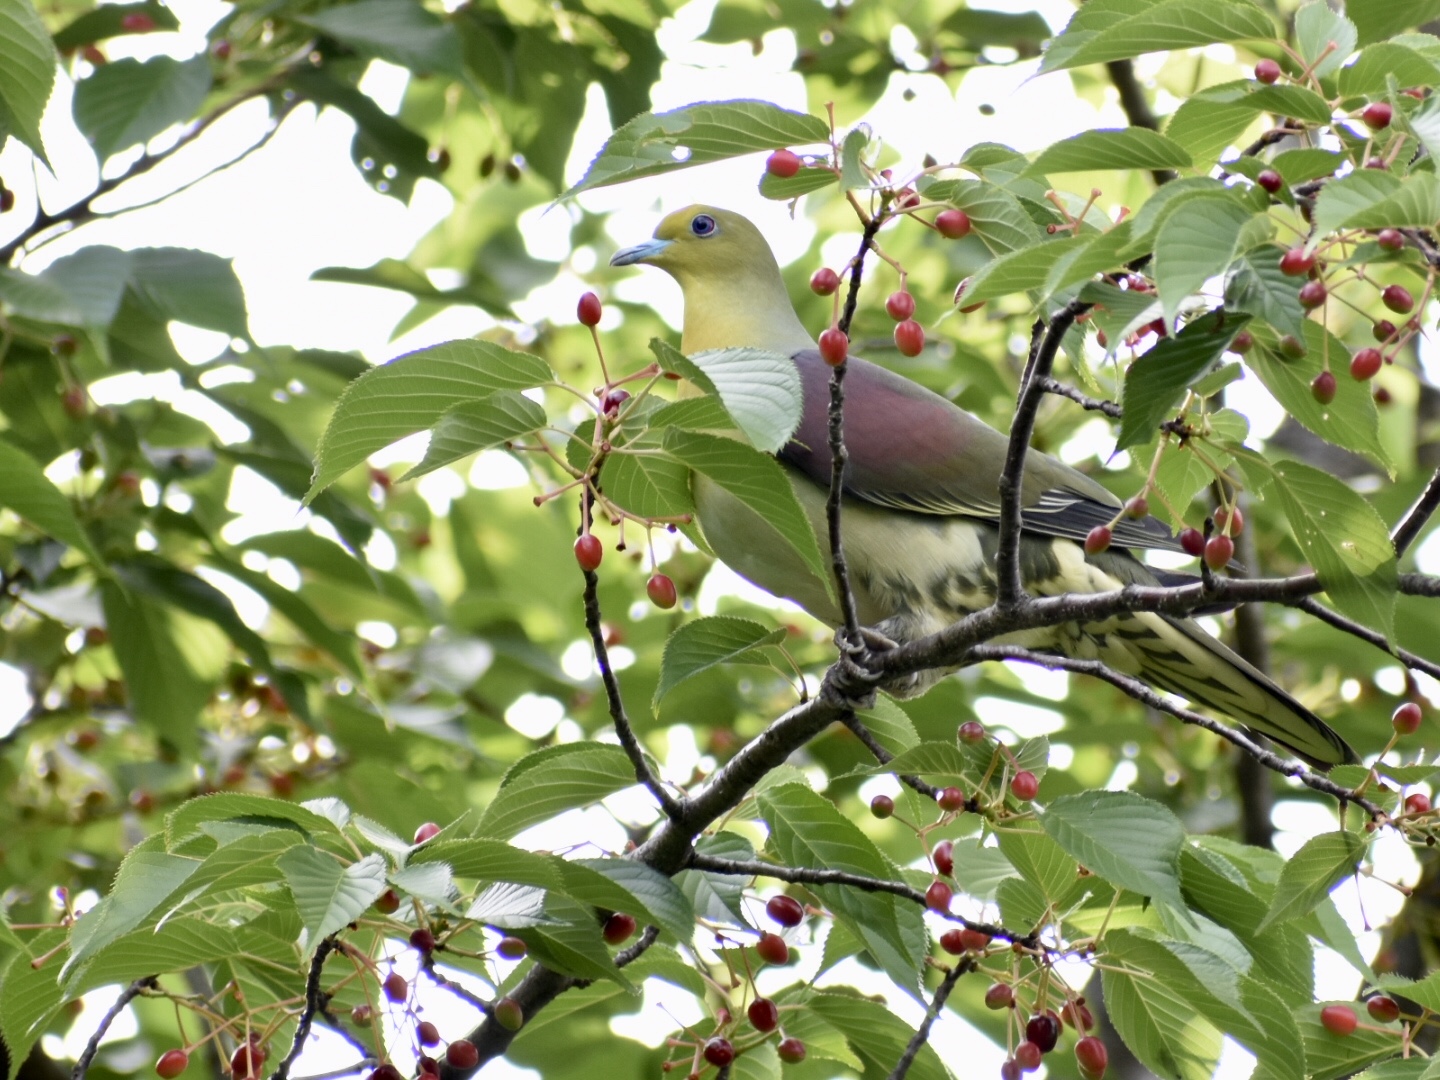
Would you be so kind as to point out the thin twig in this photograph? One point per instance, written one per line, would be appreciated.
(338, 1074)
(1410, 526)
(1009, 588)
(1143, 693)
(315, 1000)
(922, 1033)
(129, 994)
(884, 756)
(1311, 606)
(427, 965)
(803, 875)
(1419, 584)
(672, 808)
(1052, 385)
(839, 456)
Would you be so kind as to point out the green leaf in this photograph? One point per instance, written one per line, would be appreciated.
(1324, 37)
(877, 1035)
(996, 215)
(1345, 540)
(1282, 99)
(1329, 1056)
(760, 390)
(1377, 21)
(758, 481)
(1018, 271)
(718, 898)
(1257, 285)
(982, 868)
(792, 187)
(1207, 128)
(144, 880)
(1154, 382)
(108, 20)
(479, 289)
(1309, 875)
(702, 644)
(25, 489)
(890, 724)
(1121, 33)
(410, 393)
(852, 176)
(482, 859)
(82, 289)
(250, 810)
(1305, 163)
(1130, 841)
(654, 143)
(822, 1039)
(655, 898)
(1363, 200)
(400, 31)
(158, 659)
(127, 102)
(807, 830)
(1196, 242)
(647, 483)
(1372, 70)
(551, 781)
(327, 894)
(27, 72)
(569, 942)
(1039, 859)
(1119, 312)
(189, 286)
(1424, 992)
(1350, 421)
(472, 426)
(1159, 1024)
(1110, 148)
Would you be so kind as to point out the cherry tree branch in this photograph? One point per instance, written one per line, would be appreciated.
(839, 456)
(671, 807)
(1143, 693)
(315, 1001)
(129, 994)
(884, 757)
(1052, 385)
(922, 1033)
(1311, 606)
(1409, 528)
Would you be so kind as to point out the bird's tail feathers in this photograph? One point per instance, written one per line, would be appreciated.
(1178, 656)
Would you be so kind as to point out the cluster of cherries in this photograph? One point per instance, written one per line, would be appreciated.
(1217, 550)
(588, 550)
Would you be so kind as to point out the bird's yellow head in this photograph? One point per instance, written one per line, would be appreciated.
(734, 295)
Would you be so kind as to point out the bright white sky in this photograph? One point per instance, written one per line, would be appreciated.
(298, 205)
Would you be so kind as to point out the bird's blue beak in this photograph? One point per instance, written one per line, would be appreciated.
(639, 253)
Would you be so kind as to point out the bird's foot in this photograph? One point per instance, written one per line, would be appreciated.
(853, 676)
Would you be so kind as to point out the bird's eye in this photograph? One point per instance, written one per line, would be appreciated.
(702, 225)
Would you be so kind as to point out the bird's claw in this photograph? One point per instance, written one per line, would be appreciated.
(855, 677)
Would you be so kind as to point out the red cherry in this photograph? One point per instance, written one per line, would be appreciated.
(938, 897)
(1024, 787)
(782, 164)
(1077, 1015)
(93, 56)
(1270, 180)
(764, 1014)
(785, 910)
(127, 483)
(508, 1014)
(388, 902)
(1418, 803)
(1028, 1055)
(1377, 115)
(952, 942)
(1365, 363)
(1312, 295)
(1138, 507)
(512, 948)
(974, 940)
(1390, 239)
(661, 591)
(1338, 1019)
(906, 198)
(1097, 539)
(172, 1063)
(610, 404)
(1383, 330)
(427, 1034)
(719, 1052)
(951, 799)
(386, 1072)
(1267, 71)
(882, 806)
(1230, 520)
(1219, 550)
(1383, 1009)
(362, 1016)
(428, 1066)
(824, 281)
(462, 1054)
(1377, 163)
(972, 731)
(618, 927)
(1323, 387)
(834, 346)
(1406, 719)
(1242, 342)
(395, 987)
(1382, 396)
(1292, 347)
(221, 49)
(589, 551)
(1297, 262)
(1043, 1030)
(247, 1062)
(1010, 1070)
(773, 950)
(423, 939)
(1192, 542)
(909, 338)
(425, 832)
(588, 309)
(953, 224)
(137, 22)
(791, 1051)
(900, 306)
(142, 801)
(1397, 298)
(944, 858)
(999, 996)
(1092, 1056)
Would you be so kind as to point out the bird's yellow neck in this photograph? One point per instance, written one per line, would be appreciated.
(741, 313)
